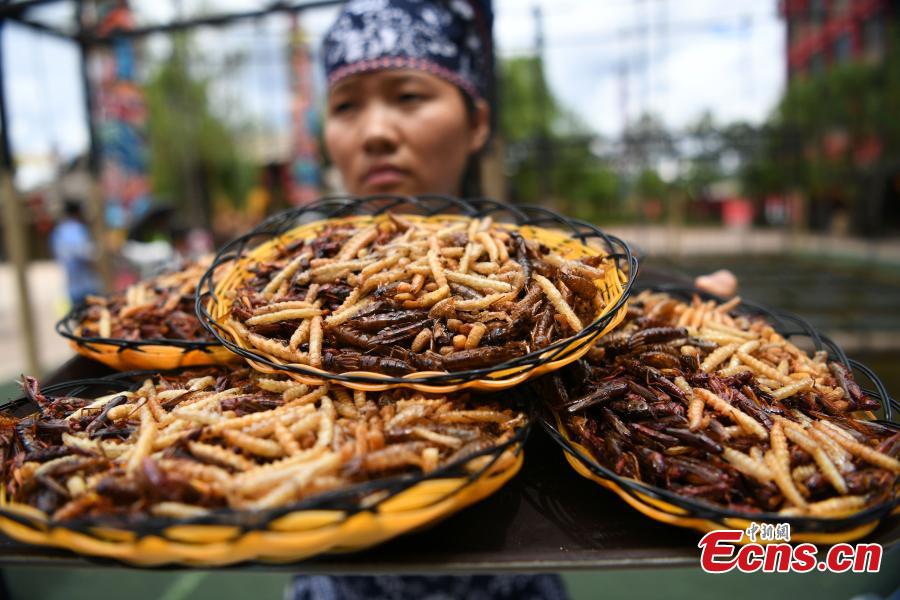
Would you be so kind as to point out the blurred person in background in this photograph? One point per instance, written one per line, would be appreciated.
(73, 249)
(408, 114)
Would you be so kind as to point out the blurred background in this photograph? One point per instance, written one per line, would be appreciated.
(756, 135)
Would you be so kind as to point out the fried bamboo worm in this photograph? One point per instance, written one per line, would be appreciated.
(356, 243)
(778, 443)
(865, 453)
(280, 306)
(478, 282)
(422, 339)
(105, 324)
(695, 404)
(99, 403)
(842, 459)
(471, 416)
(144, 444)
(289, 489)
(273, 347)
(480, 303)
(763, 369)
(178, 510)
(301, 334)
(488, 243)
(286, 273)
(286, 440)
(284, 315)
(429, 299)
(797, 435)
(833, 507)
(275, 385)
(475, 334)
(315, 341)
(745, 421)
(220, 455)
(747, 465)
(254, 445)
(784, 481)
(717, 357)
(792, 389)
(347, 312)
(434, 263)
(558, 302)
(379, 266)
(335, 270)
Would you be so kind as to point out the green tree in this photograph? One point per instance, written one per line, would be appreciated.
(818, 139)
(647, 140)
(580, 182)
(648, 184)
(194, 157)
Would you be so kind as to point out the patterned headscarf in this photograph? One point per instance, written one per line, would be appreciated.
(447, 38)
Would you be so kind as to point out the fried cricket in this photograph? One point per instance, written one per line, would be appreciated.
(182, 445)
(154, 309)
(715, 405)
(398, 296)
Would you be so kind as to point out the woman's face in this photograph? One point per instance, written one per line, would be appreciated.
(401, 132)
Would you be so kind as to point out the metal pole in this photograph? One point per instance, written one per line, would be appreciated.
(13, 229)
(544, 167)
(97, 212)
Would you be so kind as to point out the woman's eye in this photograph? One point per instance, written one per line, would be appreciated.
(341, 107)
(409, 97)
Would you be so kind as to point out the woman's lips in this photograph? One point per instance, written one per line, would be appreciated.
(381, 177)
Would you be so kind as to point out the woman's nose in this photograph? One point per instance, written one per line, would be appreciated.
(379, 135)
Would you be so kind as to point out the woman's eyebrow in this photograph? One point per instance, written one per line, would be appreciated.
(401, 78)
(344, 87)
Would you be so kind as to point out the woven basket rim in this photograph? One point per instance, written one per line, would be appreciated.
(69, 324)
(340, 207)
(708, 512)
(343, 500)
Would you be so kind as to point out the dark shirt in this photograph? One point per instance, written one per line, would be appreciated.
(425, 587)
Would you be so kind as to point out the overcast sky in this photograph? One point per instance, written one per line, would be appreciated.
(608, 60)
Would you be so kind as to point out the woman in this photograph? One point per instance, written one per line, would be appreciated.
(407, 114)
(408, 83)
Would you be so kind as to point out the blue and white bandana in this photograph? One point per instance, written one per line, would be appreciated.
(447, 38)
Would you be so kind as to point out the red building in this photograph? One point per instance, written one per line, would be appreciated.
(821, 33)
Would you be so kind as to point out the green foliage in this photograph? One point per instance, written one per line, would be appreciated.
(194, 158)
(524, 113)
(579, 181)
(815, 134)
(650, 185)
(646, 140)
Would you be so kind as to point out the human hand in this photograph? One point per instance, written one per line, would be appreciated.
(721, 283)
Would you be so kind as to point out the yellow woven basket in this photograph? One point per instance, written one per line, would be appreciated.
(126, 355)
(612, 288)
(153, 356)
(670, 514)
(290, 537)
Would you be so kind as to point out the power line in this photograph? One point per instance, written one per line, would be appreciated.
(673, 29)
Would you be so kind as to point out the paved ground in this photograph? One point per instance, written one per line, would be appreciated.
(708, 241)
(49, 302)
